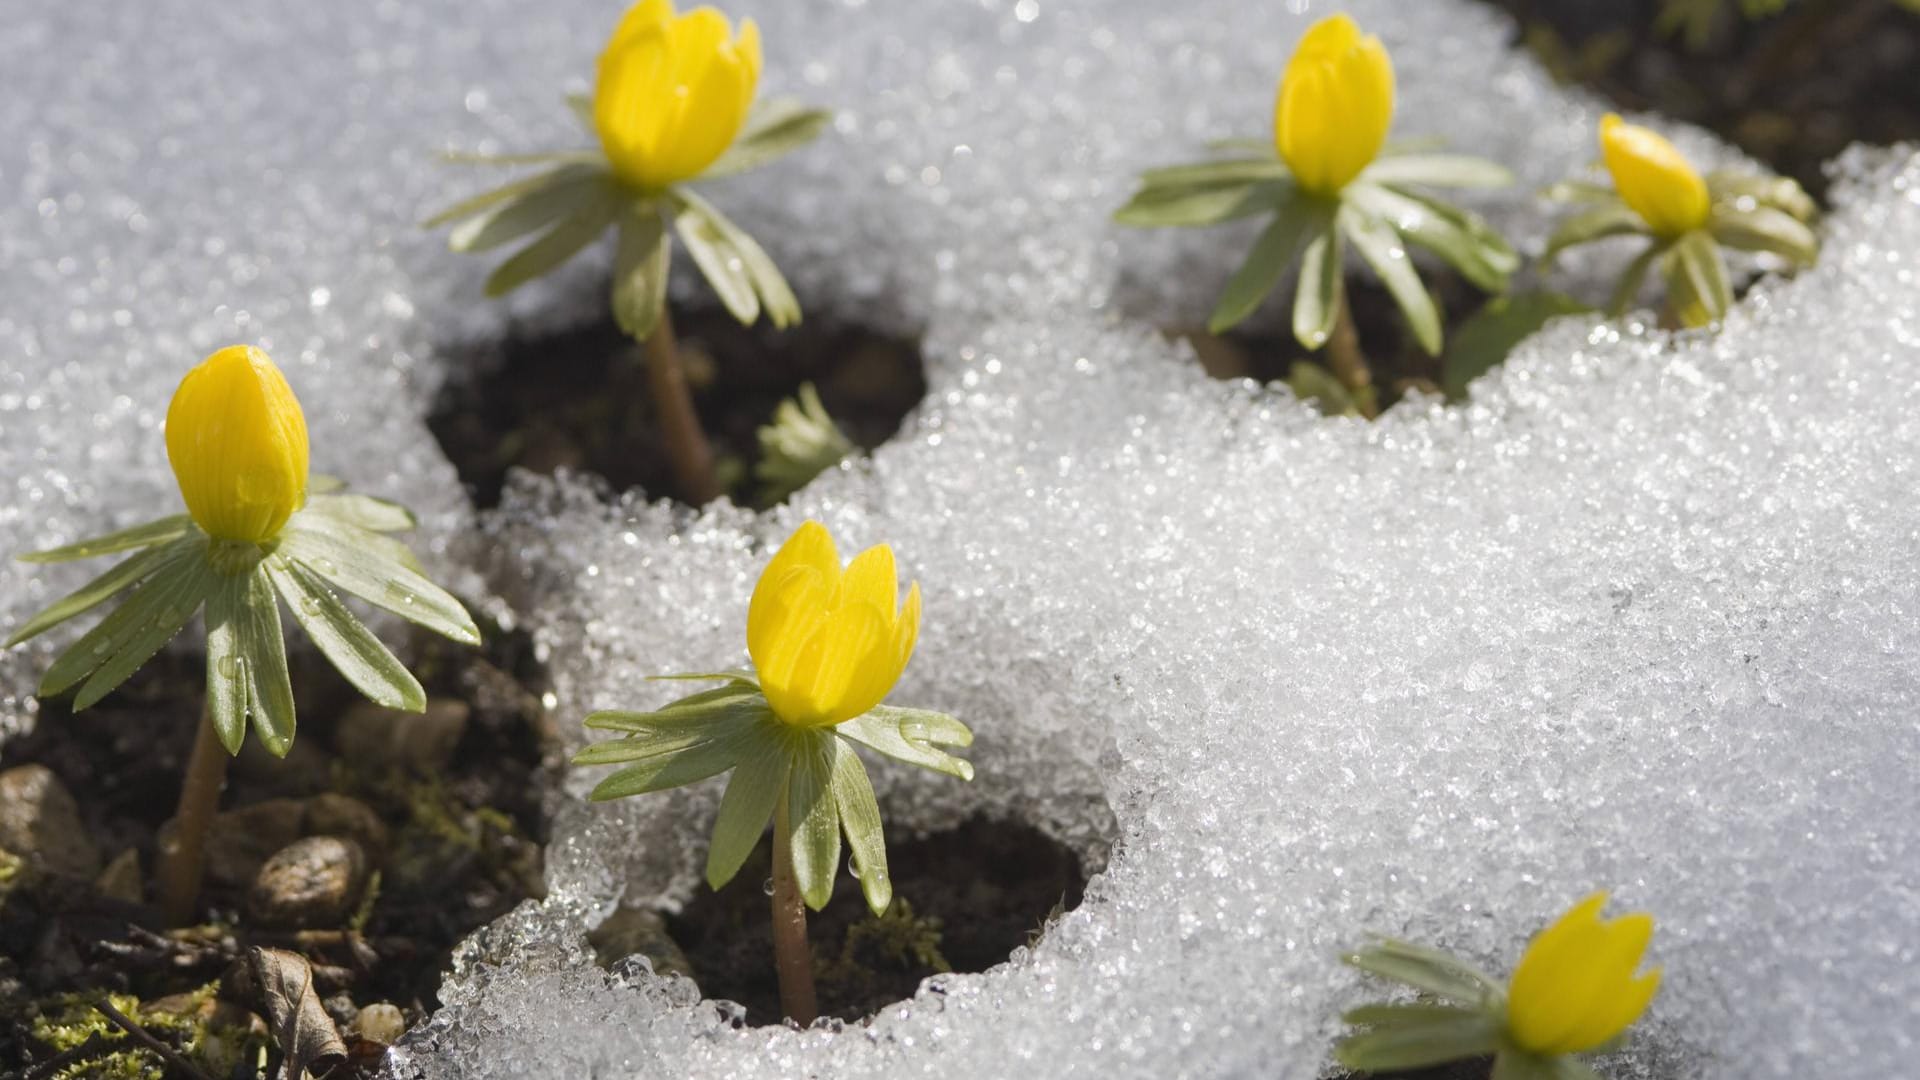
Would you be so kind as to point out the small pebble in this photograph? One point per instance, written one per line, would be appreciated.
(309, 884)
(380, 1022)
(40, 822)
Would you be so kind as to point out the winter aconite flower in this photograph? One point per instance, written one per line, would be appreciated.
(238, 445)
(1653, 178)
(1687, 220)
(829, 643)
(1576, 990)
(1334, 106)
(1328, 184)
(673, 92)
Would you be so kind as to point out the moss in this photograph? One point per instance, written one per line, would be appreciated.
(898, 940)
(70, 1020)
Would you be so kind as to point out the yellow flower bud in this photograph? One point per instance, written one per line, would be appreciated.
(1334, 106)
(1653, 178)
(1575, 988)
(673, 91)
(829, 643)
(238, 444)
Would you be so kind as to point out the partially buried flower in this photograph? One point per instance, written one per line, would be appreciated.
(1334, 106)
(1654, 178)
(673, 91)
(1575, 988)
(237, 441)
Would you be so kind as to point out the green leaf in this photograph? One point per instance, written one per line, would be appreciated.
(1776, 192)
(724, 269)
(348, 645)
(1486, 338)
(1316, 386)
(1580, 191)
(1598, 223)
(128, 571)
(723, 703)
(341, 554)
(1318, 296)
(709, 754)
(914, 736)
(735, 676)
(759, 780)
(801, 443)
(773, 130)
(526, 209)
(324, 484)
(1431, 970)
(813, 819)
(1697, 285)
(666, 740)
(1438, 170)
(860, 819)
(640, 267)
(776, 296)
(139, 536)
(1208, 173)
(1296, 222)
(227, 676)
(364, 511)
(1248, 145)
(264, 654)
(581, 105)
(1765, 229)
(1418, 1045)
(1200, 205)
(567, 238)
(493, 197)
(1462, 240)
(1380, 246)
(155, 600)
(1403, 1013)
(1627, 289)
(171, 598)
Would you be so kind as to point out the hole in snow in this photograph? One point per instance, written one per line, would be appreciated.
(578, 398)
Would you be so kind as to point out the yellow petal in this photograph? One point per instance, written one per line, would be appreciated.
(1574, 988)
(850, 643)
(1334, 105)
(237, 441)
(1539, 1011)
(641, 17)
(907, 632)
(872, 579)
(1654, 178)
(673, 92)
(634, 78)
(1610, 974)
(748, 46)
(796, 583)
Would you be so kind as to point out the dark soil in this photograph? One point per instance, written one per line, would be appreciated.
(963, 900)
(1792, 89)
(578, 399)
(461, 839)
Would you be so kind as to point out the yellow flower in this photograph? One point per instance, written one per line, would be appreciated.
(1653, 178)
(238, 444)
(1575, 988)
(829, 643)
(1334, 106)
(673, 91)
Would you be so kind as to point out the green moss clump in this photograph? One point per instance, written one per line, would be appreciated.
(68, 1021)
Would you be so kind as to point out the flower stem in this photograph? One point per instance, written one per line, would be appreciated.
(183, 854)
(687, 448)
(792, 958)
(1348, 363)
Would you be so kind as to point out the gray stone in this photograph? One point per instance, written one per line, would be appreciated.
(40, 822)
(309, 884)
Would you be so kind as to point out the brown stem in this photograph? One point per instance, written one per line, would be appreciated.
(687, 448)
(1346, 361)
(792, 959)
(183, 854)
(146, 1039)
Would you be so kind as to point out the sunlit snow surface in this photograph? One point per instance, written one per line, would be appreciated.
(1641, 616)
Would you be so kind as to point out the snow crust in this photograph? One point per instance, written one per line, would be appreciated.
(1639, 616)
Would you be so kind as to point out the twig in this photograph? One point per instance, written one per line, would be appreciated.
(96, 1045)
(141, 1036)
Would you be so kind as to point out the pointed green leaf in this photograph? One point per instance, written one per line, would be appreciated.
(1431, 970)
(814, 820)
(695, 761)
(1415, 1046)
(1778, 192)
(860, 820)
(1580, 191)
(1205, 173)
(1697, 285)
(759, 780)
(1627, 289)
(1765, 229)
(343, 555)
(364, 511)
(146, 535)
(128, 571)
(737, 675)
(264, 654)
(1245, 146)
(667, 741)
(568, 237)
(773, 130)
(776, 296)
(1403, 1013)
(1462, 240)
(719, 263)
(1380, 246)
(581, 105)
(343, 640)
(1438, 170)
(155, 602)
(324, 484)
(1296, 222)
(1200, 205)
(914, 736)
(1317, 387)
(227, 675)
(1319, 294)
(556, 196)
(1484, 340)
(488, 200)
(735, 702)
(173, 597)
(1598, 223)
(640, 267)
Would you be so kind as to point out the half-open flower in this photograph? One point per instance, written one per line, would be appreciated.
(673, 91)
(1654, 178)
(1575, 988)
